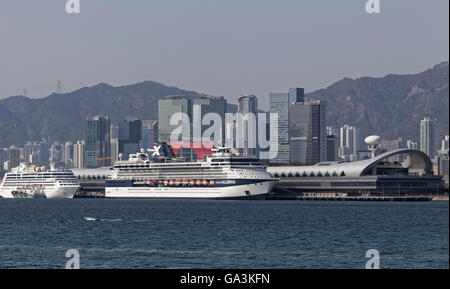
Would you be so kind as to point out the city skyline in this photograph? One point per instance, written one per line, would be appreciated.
(101, 136)
(237, 137)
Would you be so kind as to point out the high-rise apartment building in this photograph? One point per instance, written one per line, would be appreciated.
(412, 145)
(427, 136)
(97, 142)
(78, 154)
(68, 154)
(349, 141)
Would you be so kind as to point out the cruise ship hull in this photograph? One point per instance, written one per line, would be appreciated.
(244, 191)
(62, 193)
(54, 193)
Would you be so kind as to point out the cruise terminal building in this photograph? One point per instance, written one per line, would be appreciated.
(378, 176)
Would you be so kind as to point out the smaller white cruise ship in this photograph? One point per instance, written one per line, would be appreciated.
(24, 183)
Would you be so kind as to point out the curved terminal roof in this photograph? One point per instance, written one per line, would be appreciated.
(418, 162)
(99, 173)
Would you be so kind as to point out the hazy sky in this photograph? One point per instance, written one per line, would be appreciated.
(221, 47)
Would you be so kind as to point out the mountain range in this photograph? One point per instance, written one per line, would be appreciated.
(391, 106)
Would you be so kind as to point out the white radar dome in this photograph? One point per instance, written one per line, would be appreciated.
(372, 140)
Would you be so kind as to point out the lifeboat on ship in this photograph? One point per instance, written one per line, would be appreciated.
(205, 182)
(171, 182)
(192, 182)
(211, 183)
(198, 182)
(166, 182)
(185, 182)
(177, 182)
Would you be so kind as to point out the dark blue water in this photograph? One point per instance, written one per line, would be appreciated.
(36, 233)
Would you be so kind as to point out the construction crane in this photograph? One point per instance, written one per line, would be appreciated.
(102, 159)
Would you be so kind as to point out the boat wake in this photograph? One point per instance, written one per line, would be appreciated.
(113, 220)
(102, 220)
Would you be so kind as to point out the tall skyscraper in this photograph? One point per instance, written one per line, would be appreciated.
(114, 135)
(68, 154)
(427, 136)
(14, 157)
(167, 107)
(115, 151)
(296, 94)
(149, 133)
(331, 131)
(247, 130)
(44, 153)
(55, 153)
(114, 131)
(202, 106)
(332, 148)
(349, 141)
(412, 145)
(78, 154)
(444, 146)
(307, 132)
(98, 142)
(280, 104)
(130, 136)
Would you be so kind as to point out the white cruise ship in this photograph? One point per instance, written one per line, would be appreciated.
(23, 183)
(223, 175)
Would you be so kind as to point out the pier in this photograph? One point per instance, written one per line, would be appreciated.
(327, 197)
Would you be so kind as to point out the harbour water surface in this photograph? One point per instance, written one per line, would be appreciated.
(36, 233)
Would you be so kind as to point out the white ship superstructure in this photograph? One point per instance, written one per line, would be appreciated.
(24, 183)
(222, 175)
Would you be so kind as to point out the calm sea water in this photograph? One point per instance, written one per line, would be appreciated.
(36, 233)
